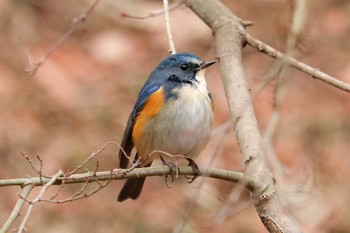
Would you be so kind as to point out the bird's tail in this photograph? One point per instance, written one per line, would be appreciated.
(132, 188)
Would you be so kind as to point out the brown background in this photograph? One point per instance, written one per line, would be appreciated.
(80, 98)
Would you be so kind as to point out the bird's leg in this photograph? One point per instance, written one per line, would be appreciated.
(195, 169)
(173, 169)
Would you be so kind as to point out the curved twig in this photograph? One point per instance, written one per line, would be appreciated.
(76, 23)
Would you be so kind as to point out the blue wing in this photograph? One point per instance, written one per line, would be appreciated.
(127, 143)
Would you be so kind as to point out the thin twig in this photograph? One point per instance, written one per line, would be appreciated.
(40, 167)
(37, 199)
(229, 209)
(36, 170)
(81, 193)
(59, 188)
(295, 30)
(168, 28)
(93, 155)
(17, 209)
(298, 20)
(172, 7)
(76, 23)
(224, 127)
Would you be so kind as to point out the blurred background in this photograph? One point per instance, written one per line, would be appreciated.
(81, 97)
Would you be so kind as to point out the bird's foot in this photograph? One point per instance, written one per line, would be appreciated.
(174, 171)
(195, 169)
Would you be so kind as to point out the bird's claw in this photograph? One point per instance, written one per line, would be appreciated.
(174, 170)
(195, 169)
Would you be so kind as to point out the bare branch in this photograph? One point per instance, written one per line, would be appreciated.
(229, 209)
(283, 68)
(81, 193)
(76, 23)
(195, 196)
(119, 174)
(37, 199)
(168, 28)
(93, 155)
(36, 170)
(59, 189)
(17, 209)
(313, 72)
(172, 7)
(298, 20)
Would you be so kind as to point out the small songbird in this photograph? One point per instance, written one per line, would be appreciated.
(173, 114)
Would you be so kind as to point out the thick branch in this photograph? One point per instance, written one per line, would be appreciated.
(226, 29)
(119, 174)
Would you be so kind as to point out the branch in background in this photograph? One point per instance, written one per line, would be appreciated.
(230, 208)
(226, 27)
(298, 21)
(37, 199)
(172, 7)
(17, 209)
(283, 69)
(36, 170)
(168, 28)
(196, 195)
(313, 72)
(76, 23)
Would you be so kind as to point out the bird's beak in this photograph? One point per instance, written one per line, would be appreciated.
(206, 64)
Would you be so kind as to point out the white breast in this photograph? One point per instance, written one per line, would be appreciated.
(184, 124)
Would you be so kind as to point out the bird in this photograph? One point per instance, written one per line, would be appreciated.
(173, 114)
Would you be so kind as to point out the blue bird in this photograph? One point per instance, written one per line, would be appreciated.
(173, 114)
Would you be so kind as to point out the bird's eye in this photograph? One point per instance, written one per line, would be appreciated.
(184, 67)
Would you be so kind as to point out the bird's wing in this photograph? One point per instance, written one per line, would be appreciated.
(127, 142)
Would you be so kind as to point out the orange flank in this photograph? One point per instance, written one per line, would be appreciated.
(150, 110)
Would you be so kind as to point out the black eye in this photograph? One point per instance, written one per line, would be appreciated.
(184, 67)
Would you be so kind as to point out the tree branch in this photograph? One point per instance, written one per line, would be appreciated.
(37, 199)
(76, 23)
(226, 27)
(116, 174)
(168, 28)
(119, 174)
(17, 209)
(152, 14)
(313, 72)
